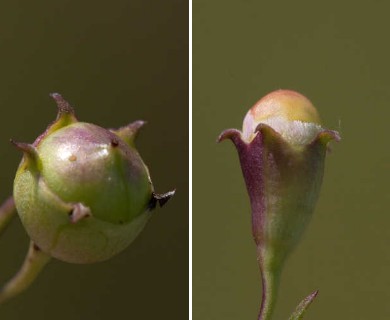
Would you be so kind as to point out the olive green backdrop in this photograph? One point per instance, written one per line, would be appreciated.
(337, 53)
(116, 62)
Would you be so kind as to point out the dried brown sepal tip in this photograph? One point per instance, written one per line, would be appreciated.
(161, 199)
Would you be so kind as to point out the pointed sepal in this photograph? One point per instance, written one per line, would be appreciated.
(30, 153)
(65, 117)
(130, 132)
(66, 112)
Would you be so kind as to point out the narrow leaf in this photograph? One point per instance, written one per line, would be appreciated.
(302, 307)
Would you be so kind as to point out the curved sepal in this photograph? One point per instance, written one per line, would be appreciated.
(65, 117)
(130, 132)
(303, 306)
(66, 114)
(325, 136)
(232, 134)
(320, 144)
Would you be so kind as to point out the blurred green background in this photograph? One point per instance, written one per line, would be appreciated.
(337, 54)
(116, 62)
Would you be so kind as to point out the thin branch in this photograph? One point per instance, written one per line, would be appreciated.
(33, 264)
(7, 212)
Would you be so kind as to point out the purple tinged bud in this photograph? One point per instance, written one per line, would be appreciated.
(83, 193)
(282, 150)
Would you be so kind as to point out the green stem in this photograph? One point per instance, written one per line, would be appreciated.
(270, 275)
(34, 262)
(270, 288)
(7, 212)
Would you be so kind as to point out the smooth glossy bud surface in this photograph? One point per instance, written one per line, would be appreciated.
(83, 192)
(289, 113)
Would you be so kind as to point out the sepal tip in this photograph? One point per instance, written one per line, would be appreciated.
(29, 151)
(130, 132)
(62, 104)
(161, 199)
(232, 134)
(327, 136)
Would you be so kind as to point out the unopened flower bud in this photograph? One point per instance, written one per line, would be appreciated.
(282, 150)
(289, 113)
(82, 192)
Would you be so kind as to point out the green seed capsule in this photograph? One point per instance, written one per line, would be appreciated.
(83, 192)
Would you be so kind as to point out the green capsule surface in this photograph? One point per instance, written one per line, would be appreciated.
(83, 192)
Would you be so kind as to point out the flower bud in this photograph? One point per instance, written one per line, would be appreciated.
(282, 149)
(82, 192)
(289, 113)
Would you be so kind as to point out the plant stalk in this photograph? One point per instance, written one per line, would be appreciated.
(270, 283)
(33, 264)
(7, 212)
